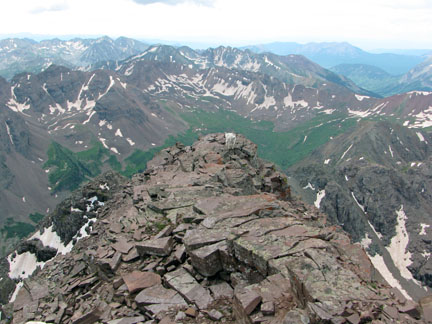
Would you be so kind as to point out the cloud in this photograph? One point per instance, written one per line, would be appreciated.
(176, 2)
(60, 6)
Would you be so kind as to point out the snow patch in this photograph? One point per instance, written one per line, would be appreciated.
(360, 98)
(118, 133)
(50, 238)
(366, 241)
(23, 265)
(398, 246)
(9, 133)
(391, 151)
(359, 113)
(309, 186)
(320, 196)
(344, 153)
(16, 291)
(289, 103)
(423, 228)
(131, 143)
(420, 136)
(379, 264)
(88, 119)
(104, 186)
(103, 141)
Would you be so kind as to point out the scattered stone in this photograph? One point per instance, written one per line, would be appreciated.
(222, 291)
(180, 316)
(191, 312)
(157, 299)
(114, 262)
(88, 318)
(215, 315)
(166, 231)
(189, 288)
(268, 308)
(160, 247)
(248, 300)
(131, 256)
(137, 280)
(207, 260)
(353, 319)
(116, 228)
(118, 282)
(122, 245)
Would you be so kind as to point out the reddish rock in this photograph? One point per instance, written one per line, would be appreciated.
(206, 260)
(131, 256)
(160, 247)
(426, 307)
(122, 245)
(353, 319)
(137, 280)
(88, 318)
(116, 228)
(215, 315)
(248, 300)
(268, 308)
(166, 231)
(191, 312)
(222, 291)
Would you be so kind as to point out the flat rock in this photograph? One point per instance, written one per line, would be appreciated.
(131, 256)
(158, 298)
(88, 318)
(161, 246)
(248, 299)
(138, 280)
(122, 245)
(189, 288)
(222, 291)
(426, 306)
(215, 315)
(196, 238)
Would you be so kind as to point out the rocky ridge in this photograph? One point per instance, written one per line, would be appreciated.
(208, 233)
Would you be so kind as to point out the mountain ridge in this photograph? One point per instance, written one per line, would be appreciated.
(278, 262)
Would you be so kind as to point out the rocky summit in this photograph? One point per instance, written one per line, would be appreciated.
(208, 233)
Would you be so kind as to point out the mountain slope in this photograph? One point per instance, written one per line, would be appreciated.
(418, 78)
(375, 181)
(209, 230)
(368, 77)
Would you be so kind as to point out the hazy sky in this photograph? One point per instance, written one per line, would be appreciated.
(365, 23)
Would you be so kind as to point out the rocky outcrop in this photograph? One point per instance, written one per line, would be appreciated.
(210, 233)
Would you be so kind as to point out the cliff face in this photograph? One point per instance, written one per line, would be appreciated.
(208, 233)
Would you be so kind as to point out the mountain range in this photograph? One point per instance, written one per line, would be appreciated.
(63, 127)
(26, 55)
(331, 54)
